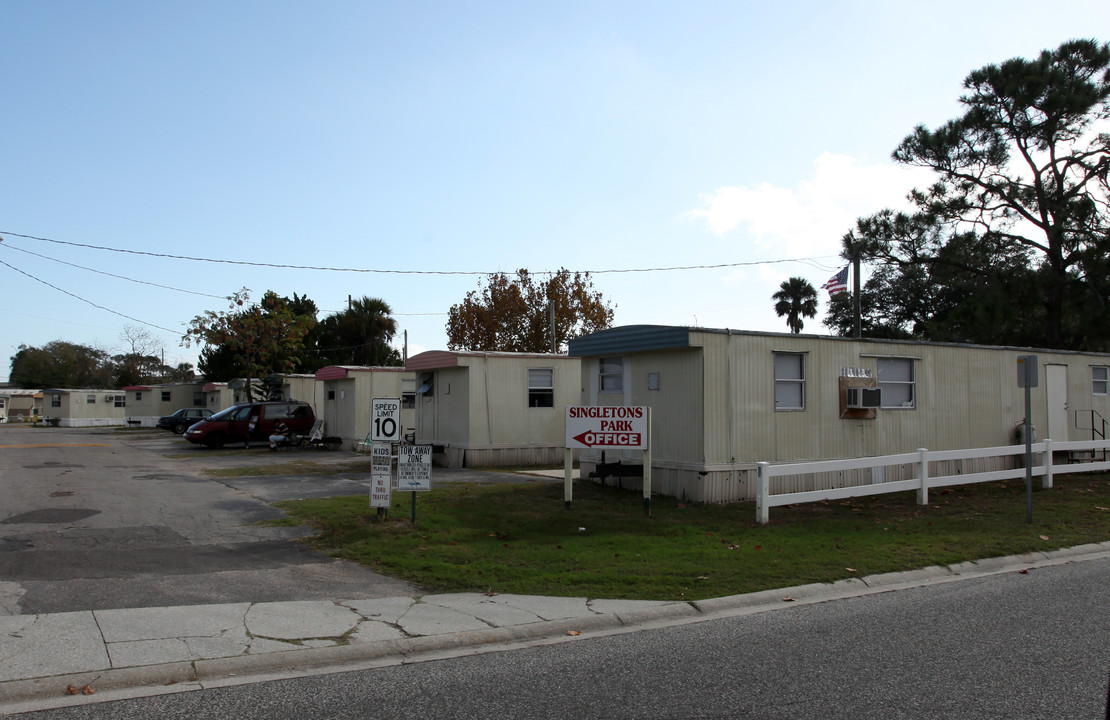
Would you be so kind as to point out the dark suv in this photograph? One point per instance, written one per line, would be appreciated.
(180, 421)
(233, 424)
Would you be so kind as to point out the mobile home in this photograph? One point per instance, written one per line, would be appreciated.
(724, 400)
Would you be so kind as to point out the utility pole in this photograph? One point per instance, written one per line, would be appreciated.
(554, 343)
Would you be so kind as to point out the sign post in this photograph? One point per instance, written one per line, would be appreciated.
(608, 428)
(414, 471)
(1028, 378)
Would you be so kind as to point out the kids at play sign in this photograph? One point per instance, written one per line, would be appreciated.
(604, 427)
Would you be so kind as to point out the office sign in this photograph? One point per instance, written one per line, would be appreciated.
(607, 428)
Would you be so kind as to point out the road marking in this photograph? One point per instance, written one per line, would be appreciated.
(59, 445)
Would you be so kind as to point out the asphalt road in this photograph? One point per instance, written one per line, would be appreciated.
(1015, 646)
(96, 519)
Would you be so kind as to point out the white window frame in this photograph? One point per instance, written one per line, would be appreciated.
(893, 388)
(1100, 380)
(610, 376)
(541, 387)
(796, 383)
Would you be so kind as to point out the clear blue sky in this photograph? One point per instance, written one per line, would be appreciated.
(473, 137)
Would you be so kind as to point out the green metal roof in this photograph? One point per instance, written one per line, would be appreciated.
(629, 338)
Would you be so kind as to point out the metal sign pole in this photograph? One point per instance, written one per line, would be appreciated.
(1028, 378)
(1028, 454)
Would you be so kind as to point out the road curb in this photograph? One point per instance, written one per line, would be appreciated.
(214, 672)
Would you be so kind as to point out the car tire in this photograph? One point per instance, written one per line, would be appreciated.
(178, 429)
(215, 441)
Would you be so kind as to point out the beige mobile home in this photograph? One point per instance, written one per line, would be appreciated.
(344, 403)
(84, 408)
(147, 403)
(486, 408)
(19, 405)
(723, 400)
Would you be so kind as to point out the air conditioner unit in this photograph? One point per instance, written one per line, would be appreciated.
(864, 398)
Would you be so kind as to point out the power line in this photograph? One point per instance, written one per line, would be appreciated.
(283, 266)
(90, 302)
(102, 272)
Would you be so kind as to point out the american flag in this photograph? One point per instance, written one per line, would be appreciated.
(837, 283)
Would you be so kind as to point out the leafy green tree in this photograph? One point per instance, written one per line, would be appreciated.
(359, 335)
(1019, 213)
(265, 337)
(61, 364)
(795, 299)
(514, 314)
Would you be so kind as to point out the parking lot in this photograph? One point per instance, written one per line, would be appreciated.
(107, 518)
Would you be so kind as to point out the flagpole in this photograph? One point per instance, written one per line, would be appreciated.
(855, 279)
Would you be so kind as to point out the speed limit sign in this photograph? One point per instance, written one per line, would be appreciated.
(385, 420)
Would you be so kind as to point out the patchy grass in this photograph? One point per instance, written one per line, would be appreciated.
(520, 538)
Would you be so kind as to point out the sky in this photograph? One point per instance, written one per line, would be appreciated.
(157, 157)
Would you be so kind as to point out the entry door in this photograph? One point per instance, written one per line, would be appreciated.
(1056, 394)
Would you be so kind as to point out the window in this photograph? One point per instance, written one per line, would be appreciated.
(610, 377)
(1100, 380)
(408, 393)
(896, 380)
(790, 381)
(138, 397)
(90, 399)
(120, 400)
(167, 396)
(55, 401)
(541, 387)
(198, 399)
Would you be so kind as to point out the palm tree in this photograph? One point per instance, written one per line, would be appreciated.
(796, 298)
(360, 335)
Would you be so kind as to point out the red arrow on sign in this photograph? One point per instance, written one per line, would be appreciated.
(611, 439)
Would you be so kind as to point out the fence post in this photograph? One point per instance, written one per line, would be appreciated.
(923, 476)
(762, 512)
(1046, 481)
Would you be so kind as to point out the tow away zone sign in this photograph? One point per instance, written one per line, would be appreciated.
(607, 428)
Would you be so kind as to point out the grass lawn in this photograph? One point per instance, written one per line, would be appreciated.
(520, 538)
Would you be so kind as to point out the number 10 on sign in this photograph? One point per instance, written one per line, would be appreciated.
(385, 420)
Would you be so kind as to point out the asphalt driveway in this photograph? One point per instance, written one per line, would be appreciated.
(96, 519)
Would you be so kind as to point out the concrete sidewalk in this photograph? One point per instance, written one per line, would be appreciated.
(79, 657)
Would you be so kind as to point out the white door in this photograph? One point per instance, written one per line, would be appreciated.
(1056, 394)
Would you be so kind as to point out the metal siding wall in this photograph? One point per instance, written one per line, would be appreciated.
(677, 419)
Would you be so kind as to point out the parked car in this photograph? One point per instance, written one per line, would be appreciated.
(180, 421)
(233, 425)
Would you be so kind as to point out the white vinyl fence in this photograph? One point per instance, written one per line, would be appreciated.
(921, 481)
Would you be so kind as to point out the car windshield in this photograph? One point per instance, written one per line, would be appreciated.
(225, 414)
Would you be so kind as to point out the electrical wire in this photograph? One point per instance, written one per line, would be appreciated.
(283, 266)
(90, 302)
(102, 272)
